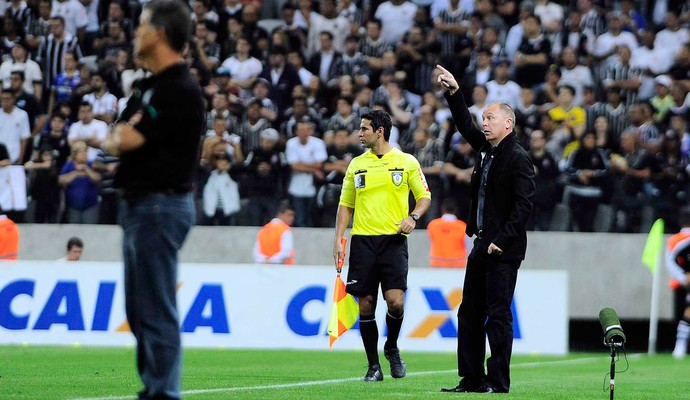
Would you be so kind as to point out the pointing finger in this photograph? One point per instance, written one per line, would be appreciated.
(445, 71)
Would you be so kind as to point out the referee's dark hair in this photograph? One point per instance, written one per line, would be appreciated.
(380, 119)
(175, 19)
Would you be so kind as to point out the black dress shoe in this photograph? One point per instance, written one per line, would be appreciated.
(464, 386)
(486, 388)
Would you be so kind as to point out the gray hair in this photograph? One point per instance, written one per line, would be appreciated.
(508, 112)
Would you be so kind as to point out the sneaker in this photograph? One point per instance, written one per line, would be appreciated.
(398, 369)
(374, 374)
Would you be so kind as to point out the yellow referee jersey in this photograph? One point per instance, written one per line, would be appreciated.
(379, 189)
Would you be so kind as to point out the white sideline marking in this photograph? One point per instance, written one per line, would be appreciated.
(343, 380)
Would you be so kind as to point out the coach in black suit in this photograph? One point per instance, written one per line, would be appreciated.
(502, 188)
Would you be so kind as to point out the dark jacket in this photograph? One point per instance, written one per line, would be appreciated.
(509, 189)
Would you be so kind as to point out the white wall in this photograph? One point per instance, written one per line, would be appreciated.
(604, 269)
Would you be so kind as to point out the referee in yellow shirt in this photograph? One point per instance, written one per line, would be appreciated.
(376, 190)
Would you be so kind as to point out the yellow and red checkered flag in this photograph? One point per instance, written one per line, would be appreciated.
(345, 310)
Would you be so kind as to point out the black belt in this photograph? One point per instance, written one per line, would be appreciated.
(140, 193)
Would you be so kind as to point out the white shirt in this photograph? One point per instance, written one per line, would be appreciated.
(80, 131)
(74, 14)
(92, 16)
(671, 41)
(102, 105)
(508, 92)
(395, 20)
(326, 61)
(221, 186)
(14, 127)
(549, 13)
(657, 60)
(578, 77)
(338, 26)
(466, 6)
(32, 73)
(243, 70)
(302, 183)
(606, 42)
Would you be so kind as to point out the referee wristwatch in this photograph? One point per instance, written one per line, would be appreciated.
(415, 217)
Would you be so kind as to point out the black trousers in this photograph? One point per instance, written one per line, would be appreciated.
(485, 312)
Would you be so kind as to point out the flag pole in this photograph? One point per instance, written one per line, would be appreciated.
(654, 309)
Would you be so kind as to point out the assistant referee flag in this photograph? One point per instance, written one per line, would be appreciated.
(345, 310)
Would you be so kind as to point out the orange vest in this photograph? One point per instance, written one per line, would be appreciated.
(9, 239)
(269, 240)
(447, 243)
(671, 245)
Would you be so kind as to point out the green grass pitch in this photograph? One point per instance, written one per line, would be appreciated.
(33, 372)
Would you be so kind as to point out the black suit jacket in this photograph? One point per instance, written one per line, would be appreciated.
(281, 94)
(509, 188)
(314, 66)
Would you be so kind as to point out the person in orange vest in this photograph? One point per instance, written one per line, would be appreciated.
(678, 266)
(448, 239)
(9, 238)
(274, 242)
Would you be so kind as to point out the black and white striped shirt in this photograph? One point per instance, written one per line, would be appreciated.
(617, 118)
(51, 56)
(370, 48)
(593, 22)
(620, 72)
(22, 15)
(449, 41)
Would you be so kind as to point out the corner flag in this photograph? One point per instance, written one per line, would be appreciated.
(654, 245)
(345, 310)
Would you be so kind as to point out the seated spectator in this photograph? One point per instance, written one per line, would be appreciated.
(587, 179)
(81, 187)
(534, 54)
(572, 117)
(44, 188)
(343, 119)
(55, 139)
(502, 89)
(204, 47)
(353, 63)
(250, 125)
(274, 242)
(266, 170)
(218, 141)
(221, 197)
(300, 112)
(244, 68)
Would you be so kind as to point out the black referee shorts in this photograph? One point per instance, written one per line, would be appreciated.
(377, 260)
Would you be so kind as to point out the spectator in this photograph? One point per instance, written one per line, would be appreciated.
(342, 119)
(30, 104)
(572, 117)
(65, 83)
(260, 91)
(662, 100)
(243, 67)
(9, 235)
(674, 36)
(74, 16)
(607, 44)
(614, 110)
(592, 22)
(39, 25)
(221, 197)
(533, 56)
(33, 82)
(296, 59)
(219, 142)
(671, 180)
(20, 13)
(256, 34)
(571, 36)
(502, 89)
(266, 172)
(576, 75)
(587, 179)
(373, 46)
(327, 20)
(451, 23)
(353, 14)
(112, 40)
(81, 187)
(633, 171)
(458, 167)
(651, 61)
(205, 48)
(44, 188)
(107, 165)
(340, 153)
(55, 139)
(397, 17)
(623, 77)
(75, 248)
(51, 53)
(116, 13)
(299, 112)
(324, 62)
(429, 152)
(103, 103)
(296, 32)
(274, 242)
(527, 116)
(640, 117)
(250, 126)
(281, 76)
(448, 241)
(15, 129)
(89, 130)
(305, 155)
(481, 74)
(547, 183)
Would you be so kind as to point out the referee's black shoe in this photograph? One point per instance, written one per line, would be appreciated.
(374, 374)
(398, 369)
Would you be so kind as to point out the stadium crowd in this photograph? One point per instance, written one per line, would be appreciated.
(600, 90)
